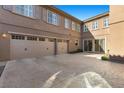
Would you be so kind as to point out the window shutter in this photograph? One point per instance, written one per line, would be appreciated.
(37, 12)
(60, 20)
(8, 7)
(44, 15)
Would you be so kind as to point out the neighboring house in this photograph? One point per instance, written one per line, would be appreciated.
(34, 31)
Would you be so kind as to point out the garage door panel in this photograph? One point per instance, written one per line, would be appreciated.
(18, 49)
(49, 48)
(30, 48)
(61, 47)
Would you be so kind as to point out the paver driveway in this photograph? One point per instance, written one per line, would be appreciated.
(36, 71)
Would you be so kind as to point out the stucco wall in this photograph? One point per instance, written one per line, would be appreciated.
(4, 47)
(117, 30)
(11, 22)
(100, 33)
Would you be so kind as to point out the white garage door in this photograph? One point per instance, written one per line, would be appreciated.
(22, 47)
(61, 46)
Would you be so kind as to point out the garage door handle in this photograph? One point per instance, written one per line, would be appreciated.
(25, 49)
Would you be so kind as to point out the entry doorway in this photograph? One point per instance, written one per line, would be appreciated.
(100, 45)
(88, 45)
(94, 45)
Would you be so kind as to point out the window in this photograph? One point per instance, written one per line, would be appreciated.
(78, 27)
(73, 25)
(52, 18)
(95, 25)
(67, 25)
(26, 10)
(33, 38)
(85, 28)
(106, 22)
(51, 39)
(19, 37)
(65, 41)
(59, 40)
(41, 38)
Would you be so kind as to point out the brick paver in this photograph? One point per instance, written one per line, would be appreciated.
(35, 72)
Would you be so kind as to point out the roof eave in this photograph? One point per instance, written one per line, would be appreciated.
(64, 13)
(96, 17)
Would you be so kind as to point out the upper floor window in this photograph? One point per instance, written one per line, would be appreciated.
(85, 28)
(52, 18)
(67, 25)
(78, 27)
(26, 10)
(73, 25)
(95, 25)
(106, 22)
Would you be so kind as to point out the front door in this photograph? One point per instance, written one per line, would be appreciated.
(100, 45)
(88, 45)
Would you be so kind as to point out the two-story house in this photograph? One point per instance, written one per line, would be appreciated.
(35, 31)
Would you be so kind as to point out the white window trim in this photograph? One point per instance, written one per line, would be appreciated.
(53, 20)
(78, 27)
(104, 20)
(95, 25)
(48, 17)
(23, 14)
(85, 27)
(73, 25)
(67, 23)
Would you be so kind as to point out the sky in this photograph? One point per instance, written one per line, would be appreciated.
(83, 12)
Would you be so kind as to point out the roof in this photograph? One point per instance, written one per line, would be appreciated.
(74, 18)
(96, 17)
(62, 13)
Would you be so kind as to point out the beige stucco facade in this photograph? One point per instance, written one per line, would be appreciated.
(113, 35)
(116, 43)
(103, 39)
(13, 23)
(100, 33)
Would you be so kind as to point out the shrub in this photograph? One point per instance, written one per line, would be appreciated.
(105, 57)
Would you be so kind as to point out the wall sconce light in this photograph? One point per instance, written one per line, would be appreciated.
(4, 35)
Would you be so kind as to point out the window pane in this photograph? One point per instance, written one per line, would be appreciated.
(106, 22)
(66, 23)
(49, 17)
(26, 10)
(73, 25)
(95, 25)
(52, 18)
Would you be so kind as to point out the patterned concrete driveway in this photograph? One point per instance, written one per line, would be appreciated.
(42, 72)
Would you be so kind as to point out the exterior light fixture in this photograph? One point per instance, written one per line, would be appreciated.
(4, 35)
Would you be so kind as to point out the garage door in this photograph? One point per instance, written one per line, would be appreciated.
(61, 46)
(30, 46)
